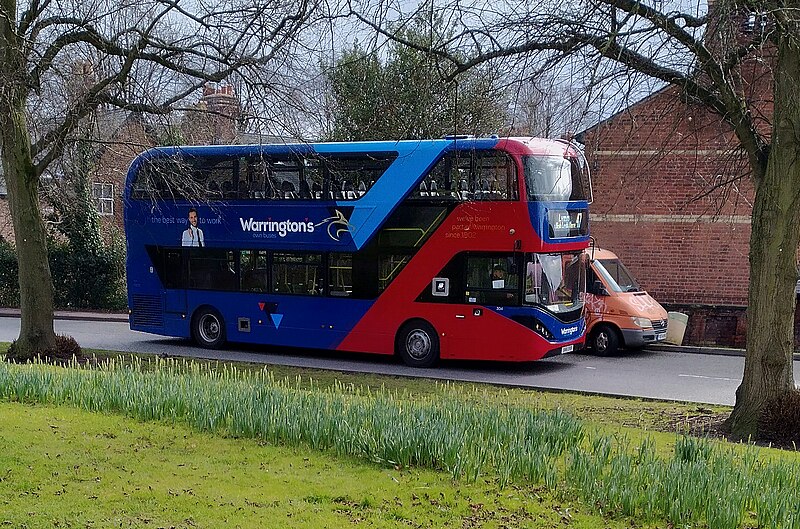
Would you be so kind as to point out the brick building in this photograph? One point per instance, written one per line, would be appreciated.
(6, 228)
(673, 198)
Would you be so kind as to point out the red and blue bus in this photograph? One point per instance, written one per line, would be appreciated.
(459, 248)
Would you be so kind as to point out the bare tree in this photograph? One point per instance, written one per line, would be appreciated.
(708, 59)
(145, 56)
(545, 105)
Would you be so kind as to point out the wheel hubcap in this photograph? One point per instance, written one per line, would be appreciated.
(418, 344)
(601, 342)
(209, 328)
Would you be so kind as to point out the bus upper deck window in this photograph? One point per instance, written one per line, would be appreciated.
(553, 177)
(471, 175)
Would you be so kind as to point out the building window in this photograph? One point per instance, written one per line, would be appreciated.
(755, 22)
(104, 195)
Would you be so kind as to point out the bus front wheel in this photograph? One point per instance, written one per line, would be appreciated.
(418, 344)
(605, 341)
(208, 328)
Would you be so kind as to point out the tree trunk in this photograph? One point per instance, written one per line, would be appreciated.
(35, 282)
(773, 245)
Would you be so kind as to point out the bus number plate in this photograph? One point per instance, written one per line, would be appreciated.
(567, 349)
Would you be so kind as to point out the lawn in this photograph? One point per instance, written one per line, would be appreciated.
(175, 444)
(603, 412)
(62, 467)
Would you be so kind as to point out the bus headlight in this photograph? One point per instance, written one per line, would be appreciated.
(542, 331)
(644, 323)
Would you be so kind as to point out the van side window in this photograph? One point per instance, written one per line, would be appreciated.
(591, 278)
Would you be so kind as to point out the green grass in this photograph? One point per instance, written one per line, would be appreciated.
(62, 467)
(610, 414)
(448, 434)
(507, 440)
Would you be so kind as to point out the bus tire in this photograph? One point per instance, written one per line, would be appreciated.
(605, 340)
(418, 344)
(208, 328)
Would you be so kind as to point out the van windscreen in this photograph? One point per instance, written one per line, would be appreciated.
(616, 275)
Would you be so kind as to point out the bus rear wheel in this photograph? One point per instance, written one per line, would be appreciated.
(418, 344)
(208, 328)
(605, 341)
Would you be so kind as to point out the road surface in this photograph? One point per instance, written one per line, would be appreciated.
(710, 379)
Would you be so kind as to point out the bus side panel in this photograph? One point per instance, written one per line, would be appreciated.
(153, 308)
(466, 332)
(284, 320)
(490, 227)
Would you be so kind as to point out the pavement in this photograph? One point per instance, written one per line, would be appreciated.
(74, 315)
(122, 317)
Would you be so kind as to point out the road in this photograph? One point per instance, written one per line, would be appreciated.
(709, 379)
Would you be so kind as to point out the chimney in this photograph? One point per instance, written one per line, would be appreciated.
(223, 108)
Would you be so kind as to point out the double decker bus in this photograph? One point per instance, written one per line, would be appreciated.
(459, 248)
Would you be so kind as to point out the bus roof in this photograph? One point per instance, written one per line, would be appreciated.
(546, 146)
(520, 145)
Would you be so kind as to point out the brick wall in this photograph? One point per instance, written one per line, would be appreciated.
(714, 325)
(701, 262)
(673, 200)
(112, 167)
(6, 227)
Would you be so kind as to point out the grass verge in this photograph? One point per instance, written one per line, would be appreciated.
(470, 436)
(62, 467)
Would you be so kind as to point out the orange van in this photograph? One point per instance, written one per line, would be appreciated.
(618, 312)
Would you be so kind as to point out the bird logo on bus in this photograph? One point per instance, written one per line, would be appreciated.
(337, 225)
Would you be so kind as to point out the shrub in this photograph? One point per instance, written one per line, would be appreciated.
(780, 419)
(87, 279)
(82, 278)
(64, 350)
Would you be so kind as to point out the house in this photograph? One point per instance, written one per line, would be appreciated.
(120, 136)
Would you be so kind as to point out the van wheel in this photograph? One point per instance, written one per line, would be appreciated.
(605, 341)
(208, 328)
(418, 344)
